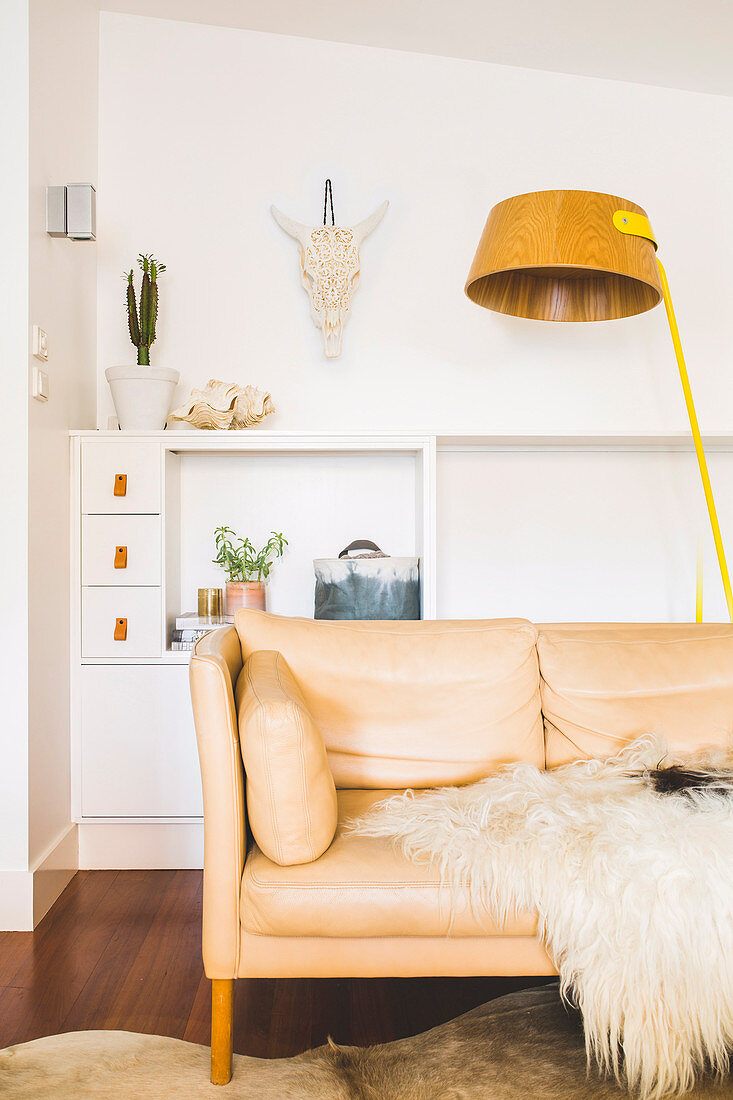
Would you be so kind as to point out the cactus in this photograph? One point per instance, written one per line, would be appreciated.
(142, 322)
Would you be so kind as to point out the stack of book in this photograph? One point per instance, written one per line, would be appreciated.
(190, 627)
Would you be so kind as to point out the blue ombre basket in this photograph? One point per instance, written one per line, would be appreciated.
(367, 585)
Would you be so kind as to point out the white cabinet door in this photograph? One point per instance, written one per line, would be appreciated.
(120, 478)
(121, 622)
(120, 550)
(138, 746)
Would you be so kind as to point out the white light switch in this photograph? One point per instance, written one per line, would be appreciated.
(40, 384)
(40, 344)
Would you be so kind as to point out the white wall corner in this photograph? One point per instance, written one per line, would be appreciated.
(25, 897)
(54, 871)
(63, 61)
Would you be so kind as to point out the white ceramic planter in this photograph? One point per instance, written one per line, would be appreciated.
(142, 396)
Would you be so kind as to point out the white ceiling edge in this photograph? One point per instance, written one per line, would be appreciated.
(666, 43)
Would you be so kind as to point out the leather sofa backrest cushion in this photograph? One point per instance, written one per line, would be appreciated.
(412, 704)
(291, 797)
(605, 684)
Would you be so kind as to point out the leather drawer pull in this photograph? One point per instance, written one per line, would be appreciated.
(120, 630)
(120, 557)
(120, 485)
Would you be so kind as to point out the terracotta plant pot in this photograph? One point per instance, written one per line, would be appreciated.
(243, 594)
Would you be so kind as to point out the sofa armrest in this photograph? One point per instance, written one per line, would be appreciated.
(291, 796)
(215, 667)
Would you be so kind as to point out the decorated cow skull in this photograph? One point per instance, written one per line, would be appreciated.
(329, 257)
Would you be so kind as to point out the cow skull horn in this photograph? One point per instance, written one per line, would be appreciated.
(330, 265)
(295, 229)
(363, 229)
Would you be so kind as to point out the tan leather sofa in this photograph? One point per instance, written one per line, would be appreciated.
(301, 725)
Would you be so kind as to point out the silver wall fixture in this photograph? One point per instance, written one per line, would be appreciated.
(71, 211)
(56, 211)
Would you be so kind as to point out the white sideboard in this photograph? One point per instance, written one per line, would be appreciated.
(545, 526)
(144, 510)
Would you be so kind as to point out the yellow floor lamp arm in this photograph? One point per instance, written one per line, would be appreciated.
(699, 450)
(570, 230)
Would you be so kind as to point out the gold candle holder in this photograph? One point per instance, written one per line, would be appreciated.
(210, 603)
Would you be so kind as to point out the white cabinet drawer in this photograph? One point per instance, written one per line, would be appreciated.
(119, 478)
(138, 745)
(135, 614)
(120, 550)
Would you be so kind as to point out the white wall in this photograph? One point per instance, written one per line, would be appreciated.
(238, 119)
(570, 536)
(673, 43)
(48, 90)
(321, 503)
(63, 297)
(14, 439)
(234, 120)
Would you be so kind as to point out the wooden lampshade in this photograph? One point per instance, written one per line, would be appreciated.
(557, 256)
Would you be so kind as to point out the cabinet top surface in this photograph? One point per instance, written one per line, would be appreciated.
(273, 438)
(248, 433)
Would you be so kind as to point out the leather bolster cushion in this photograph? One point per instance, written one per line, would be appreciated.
(291, 797)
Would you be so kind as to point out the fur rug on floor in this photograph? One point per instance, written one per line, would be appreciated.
(523, 1045)
(633, 885)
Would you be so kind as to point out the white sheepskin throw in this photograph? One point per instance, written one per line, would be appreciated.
(634, 891)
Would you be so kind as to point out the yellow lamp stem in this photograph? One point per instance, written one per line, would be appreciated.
(697, 439)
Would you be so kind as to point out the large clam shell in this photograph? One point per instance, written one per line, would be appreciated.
(224, 405)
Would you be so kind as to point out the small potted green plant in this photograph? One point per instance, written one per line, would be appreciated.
(142, 394)
(247, 569)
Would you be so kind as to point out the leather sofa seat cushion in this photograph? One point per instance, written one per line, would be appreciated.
(604, 685)
(360, 887)
(291, 797)
(412, 704)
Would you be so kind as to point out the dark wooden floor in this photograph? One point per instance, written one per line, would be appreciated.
(122, 949)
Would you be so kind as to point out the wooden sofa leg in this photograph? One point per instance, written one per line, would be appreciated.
(221, 1030)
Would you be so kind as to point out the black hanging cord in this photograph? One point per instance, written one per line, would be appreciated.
(328, 194)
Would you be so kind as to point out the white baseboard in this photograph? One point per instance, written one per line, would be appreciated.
(54, 872)
(125, 847)
(26, 896)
